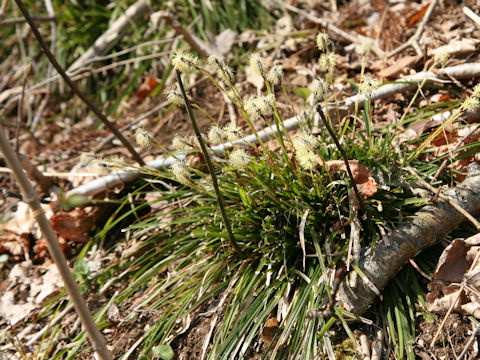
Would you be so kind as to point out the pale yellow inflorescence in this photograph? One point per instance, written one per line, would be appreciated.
(185, 61)
(239, 159)
(319, 88)
(181, 143)
(471, 103)
(275, 75)
(220, 67)
(367, 85)
(175, 96)
(231, 132)
(304, 145)
(215, 135)
(258, 65)
(323, 40)
(181, 173)
(143, 138)
(327, 62)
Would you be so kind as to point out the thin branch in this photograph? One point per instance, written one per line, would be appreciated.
(413, 41)
(74, 87)
(211, 169)
(31, 197)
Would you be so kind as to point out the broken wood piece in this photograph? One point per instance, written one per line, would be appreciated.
(428, 226)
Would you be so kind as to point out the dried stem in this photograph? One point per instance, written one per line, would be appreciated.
(74, 87)
(31, 198)
(211, 170)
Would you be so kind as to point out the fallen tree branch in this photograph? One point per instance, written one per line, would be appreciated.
(428, 226)
(469, 70)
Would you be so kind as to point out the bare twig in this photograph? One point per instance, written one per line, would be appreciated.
(16, 21)
(74, 87)
(427, 226)
(108, 39)
(469, 342)
(31, 197)
(332, 28)
(414, 40)
(197, 44)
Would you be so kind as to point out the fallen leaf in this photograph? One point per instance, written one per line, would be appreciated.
(361, 175)
(417, 16)
(73, 226)
(400, 65)
(269, 331)
(146, 88)
(15, 244)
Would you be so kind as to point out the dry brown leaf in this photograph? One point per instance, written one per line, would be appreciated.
(418, 15)
(363, 178)
(269, 331)
(14, 244)
(73, 226)
(146, 88)
(401, 64)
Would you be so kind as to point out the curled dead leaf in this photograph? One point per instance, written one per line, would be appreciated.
(269, 331)
(361, 175)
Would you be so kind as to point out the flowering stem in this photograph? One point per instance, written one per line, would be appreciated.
(211, 170)
(344, 156)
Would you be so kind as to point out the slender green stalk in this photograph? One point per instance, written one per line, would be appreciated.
(211, 170)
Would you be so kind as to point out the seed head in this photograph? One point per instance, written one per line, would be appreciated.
(327, 62)
(220, 67)
(184, 61)
(175, 96)
(258, 65)
(143, 137)
(366, 45)
(367, 85)
(471, 103)
(231, 132)
(319, 89)
(215, 135)
(275, 75)
(476, 91)
(101, 167)
(323, 40)
(239, 159)
(304, 142)
(181, 143)
(265, 104)
(181, 173)
(87, 157)
(252, 109)
(441, 58)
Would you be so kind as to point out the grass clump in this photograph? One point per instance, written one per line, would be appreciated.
(291, 216)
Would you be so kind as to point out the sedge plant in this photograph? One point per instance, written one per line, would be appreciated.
(289, 216)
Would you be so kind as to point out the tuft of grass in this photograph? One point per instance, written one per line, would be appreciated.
(291, 218)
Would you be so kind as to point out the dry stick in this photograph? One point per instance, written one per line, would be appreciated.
(31, 198)
(74, 87)
(16, 21)
(413, 41)
(443, 197)
(469, 342)
(332, 28)
(211, 170)
(428, 226)
(108, 39)
(464, 71)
